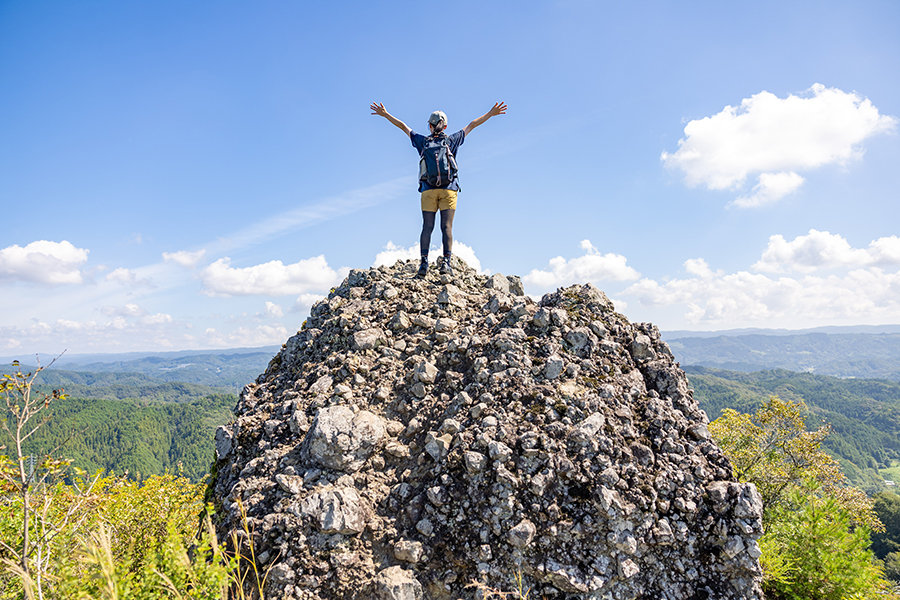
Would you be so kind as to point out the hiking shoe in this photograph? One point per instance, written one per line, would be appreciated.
(446, 269)
(423, 268)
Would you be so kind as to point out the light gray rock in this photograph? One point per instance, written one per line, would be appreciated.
(368, 339)
(400, 322)
(642, 348)
(541, 318)
(426, 372)
(581, 340)
(628, 568)
(522, 534)
(588, 430)
(554, 367)
(451, 295)
(445, 325)
(397, 583)
(475, 462)
(224, 442)
(499, 451)
(498, 282)
(408, 551)
(298, 422)
(515, 285)
(342, 440)
(292, 484)
(438, 446)
(336, 510)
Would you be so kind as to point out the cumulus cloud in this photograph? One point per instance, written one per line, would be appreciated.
(592, 266)
(128, 328)
(129, 278)
(273, 310)
(273, 278)
(263, 335)
(771, 188)
(392, 253)
(774, 138)
(157, 319)
(857, 287)
(43, 262)
(304, 302)
(823, 250)
(184, 258)
(128, 310)
(699, 267)
(743, 298)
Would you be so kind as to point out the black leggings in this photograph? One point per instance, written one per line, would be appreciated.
(446, 230)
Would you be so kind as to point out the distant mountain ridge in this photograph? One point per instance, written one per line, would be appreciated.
(860, 355)
(70, 360)
(869, 329)
(229, 370)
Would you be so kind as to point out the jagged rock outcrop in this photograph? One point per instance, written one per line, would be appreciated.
(420, 435)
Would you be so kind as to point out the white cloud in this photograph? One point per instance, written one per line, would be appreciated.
(592, 266)
(127, 277)
(745, 299)
(858, 288)
(772, 187)
(270, 279)
(823, 250)
(43, 262)
(263, 335)
(157, 319)
(130, 329)
(273, 310)
(184, 258)
(392, 253)
(129, 310)
(304, 302)
(699, 267)
(775, 138)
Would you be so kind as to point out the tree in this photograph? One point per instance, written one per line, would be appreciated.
(29, 478)
(892, 566)
(773, 449)
(887, 506)
(816, 528)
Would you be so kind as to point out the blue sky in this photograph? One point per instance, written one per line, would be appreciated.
(181, 175)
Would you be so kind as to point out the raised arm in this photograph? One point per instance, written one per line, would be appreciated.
(381, 111)
(498, 109)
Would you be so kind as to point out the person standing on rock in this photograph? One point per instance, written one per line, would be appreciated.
(438, 181)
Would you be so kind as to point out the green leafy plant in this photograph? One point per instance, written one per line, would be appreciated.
(816, 541)
(823, 556)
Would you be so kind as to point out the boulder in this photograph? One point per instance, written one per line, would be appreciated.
(419, 435)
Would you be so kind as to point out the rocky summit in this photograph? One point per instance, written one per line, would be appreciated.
(438, 438)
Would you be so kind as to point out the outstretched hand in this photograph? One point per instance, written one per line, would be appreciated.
(379, 109)
(498, 109)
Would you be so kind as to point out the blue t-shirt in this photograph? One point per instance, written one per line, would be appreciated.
(455, 140)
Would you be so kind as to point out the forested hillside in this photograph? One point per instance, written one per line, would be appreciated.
(864, 414)
(121, 436)
(857, 355)
(228, 371)
(130, 422)
(121, 386)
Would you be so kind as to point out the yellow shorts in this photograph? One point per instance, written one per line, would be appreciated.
(432, 200)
